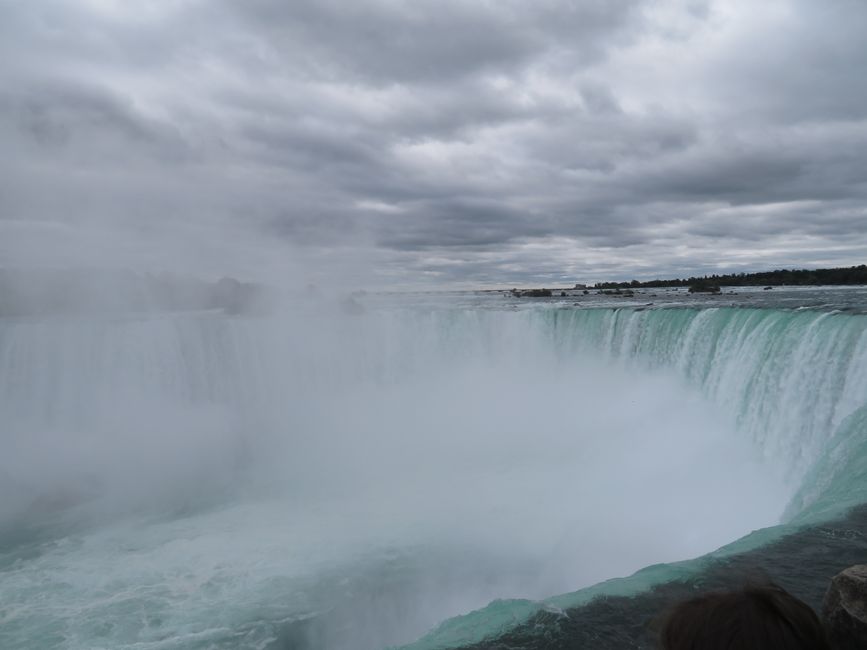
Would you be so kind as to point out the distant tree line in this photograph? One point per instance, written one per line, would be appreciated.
(798, 277)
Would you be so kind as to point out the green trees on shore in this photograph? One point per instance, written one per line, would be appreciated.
(838, 276)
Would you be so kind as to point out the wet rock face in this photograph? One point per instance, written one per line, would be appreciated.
(845, 608)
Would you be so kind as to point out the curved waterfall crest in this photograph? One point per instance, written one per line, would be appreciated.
(484, 445)
(789, 378)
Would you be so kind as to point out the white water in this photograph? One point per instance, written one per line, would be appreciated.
(380, 472)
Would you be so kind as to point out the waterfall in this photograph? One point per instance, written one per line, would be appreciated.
(287, 465)
(796, 381)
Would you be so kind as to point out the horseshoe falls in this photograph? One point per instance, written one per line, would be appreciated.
(428, 472)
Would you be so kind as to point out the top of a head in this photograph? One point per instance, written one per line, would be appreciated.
(763, 617)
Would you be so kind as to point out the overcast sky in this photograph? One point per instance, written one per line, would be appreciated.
(434, 142)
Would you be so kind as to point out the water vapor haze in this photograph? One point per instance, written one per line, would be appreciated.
(338, 440)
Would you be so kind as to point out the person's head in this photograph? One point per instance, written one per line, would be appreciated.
(753, 618)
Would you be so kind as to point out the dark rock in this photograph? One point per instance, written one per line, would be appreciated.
(701, 287)
(562, 294)
(767, 288)
(535, 293)
(845, 608)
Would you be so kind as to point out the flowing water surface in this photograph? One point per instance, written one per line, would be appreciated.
(429, 470)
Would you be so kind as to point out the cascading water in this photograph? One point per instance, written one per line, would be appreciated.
(331, 480)
(791, 378)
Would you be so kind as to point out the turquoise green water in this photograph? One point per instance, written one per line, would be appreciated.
(198, 481)
(796, 382)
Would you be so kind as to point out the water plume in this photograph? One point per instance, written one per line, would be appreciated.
(350, 480)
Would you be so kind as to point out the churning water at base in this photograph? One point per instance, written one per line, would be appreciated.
(350, 481)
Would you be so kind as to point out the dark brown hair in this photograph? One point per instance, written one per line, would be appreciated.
(765, 617)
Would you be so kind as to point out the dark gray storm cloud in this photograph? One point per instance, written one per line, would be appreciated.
(452, 142)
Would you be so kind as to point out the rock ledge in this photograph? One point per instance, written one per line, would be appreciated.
(844, 609)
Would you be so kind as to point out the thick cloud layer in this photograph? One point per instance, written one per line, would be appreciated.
(451, 142)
